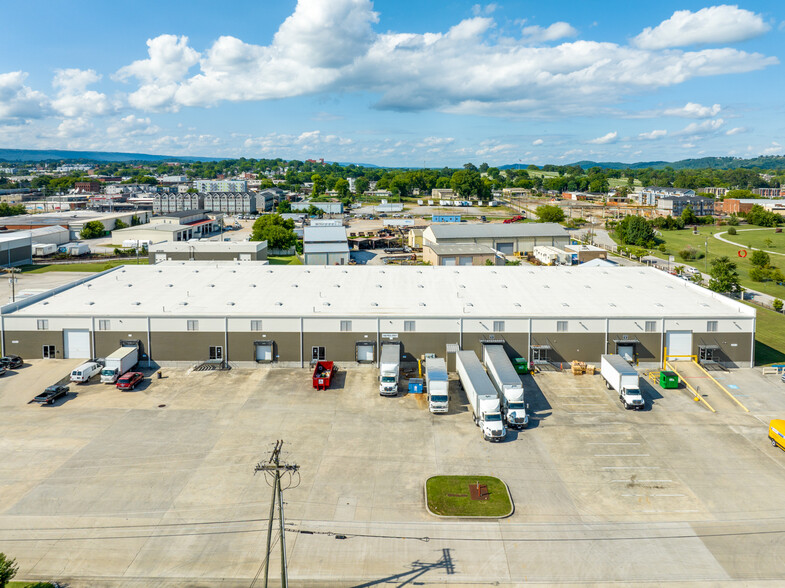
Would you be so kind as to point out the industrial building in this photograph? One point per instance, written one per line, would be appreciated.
(74, 220)
(507, 239)
(460, 254)
(175, 226)
(325, 245)
(208, 251)
(16, 249)
(247, 312)
(326, 207)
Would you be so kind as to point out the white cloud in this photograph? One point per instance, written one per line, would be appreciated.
(712, 25)
(694, 110)
(73, 98)
(18, 101)
(435, 141)
(538, 142)
(132, 126)
(71, 128)
(605, 139)
(703, 128)
(652, 135)
(480, 10)
(736, 131)
(774, 149)
(554, 32)
(490, 147)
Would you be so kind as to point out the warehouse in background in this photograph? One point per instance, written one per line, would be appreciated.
(247, 312)
(208, 251)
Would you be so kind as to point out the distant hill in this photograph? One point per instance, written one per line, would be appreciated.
(34, 155)
(767, 162)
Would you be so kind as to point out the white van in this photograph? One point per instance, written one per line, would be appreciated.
(85, 371)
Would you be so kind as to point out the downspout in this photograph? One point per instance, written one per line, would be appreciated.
(301, 343)
(149, 351)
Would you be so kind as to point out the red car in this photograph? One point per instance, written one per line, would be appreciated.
(129, 381)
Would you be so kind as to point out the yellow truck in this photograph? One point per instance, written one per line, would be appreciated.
(777, 433)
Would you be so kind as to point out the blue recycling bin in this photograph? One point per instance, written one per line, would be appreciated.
(415, 385)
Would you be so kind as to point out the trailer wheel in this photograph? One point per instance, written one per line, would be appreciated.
(773, 443)
(607, 385)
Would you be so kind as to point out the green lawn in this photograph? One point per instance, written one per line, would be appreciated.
(15, 584)
(439, 488)
(97, 266)
(756, 237)
(284, 260)
(676, 241)
(769, 336)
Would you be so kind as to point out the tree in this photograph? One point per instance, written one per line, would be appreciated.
(361, 185)
(777, 304)
(92, 230)
(318, 184)
(284, 206)
(277, 231)
(118, 224)
(760, 258)
(8, 569)
(12, 210)
(466, 182)
(315, 211)
(724, 277)
(548, 213)
(733, 221)
(635, 230)
(342, 187)
(688, 216)
(135, 220)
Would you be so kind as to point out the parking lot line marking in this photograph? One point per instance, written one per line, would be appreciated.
(634, 495)
(643, 481)
(613, 443)
(621, 455)
(653, 511)
(631, 467)
(670, 495)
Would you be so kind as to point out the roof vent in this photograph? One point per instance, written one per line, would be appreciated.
(326, 303)
(461, 285)
(137, 303)
(565, 304)
(90, 303)
(337, 285)
(295, 286)
(469, 304)
(612, 304)
(230, 303)
(517, 305)
(183, 303)
(504, 286)
(211, 285)
(422, 303)
(269, 271)
(420, 286)
(628, 286)
(587, 286)
(253, 285)
(374, 304)
(196, 271)
(170, 285)
(378, 285)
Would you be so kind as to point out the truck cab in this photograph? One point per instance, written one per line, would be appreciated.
(109, 375)
(515, 414)
(631, 398)
(492, 425)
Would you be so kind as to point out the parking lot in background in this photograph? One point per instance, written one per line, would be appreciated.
(155, 487)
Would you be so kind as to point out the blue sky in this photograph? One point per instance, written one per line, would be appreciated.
(396, 82)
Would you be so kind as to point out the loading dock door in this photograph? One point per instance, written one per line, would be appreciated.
(505, 248)
(159, 257)
(264, 351)
(679, 343)
(627, 351)
(365, 352)
(76, 344)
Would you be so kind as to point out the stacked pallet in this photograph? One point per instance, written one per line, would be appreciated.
(578, 368)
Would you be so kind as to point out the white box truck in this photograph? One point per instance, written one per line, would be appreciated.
(437, 385)
(85, 371)
(508, 384)
(389, 369)
(119, 362)
(623, 378)
(483, 398)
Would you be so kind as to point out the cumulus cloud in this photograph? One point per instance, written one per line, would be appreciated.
(694, 110)
(736, 131)
(703, 128)
(18, 101)
(73, 98)
(480, 10)
(465, 69)
(652, 135)
(132, 126)
(538, 142)
(712, 25)
(605, 139)
(554, 32)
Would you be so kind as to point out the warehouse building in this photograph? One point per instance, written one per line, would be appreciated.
(460, 254)
(247, 312)
(16, 249)
(208, 251)
(507, 239)
(325, 245)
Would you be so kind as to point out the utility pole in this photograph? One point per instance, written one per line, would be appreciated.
(274, 467)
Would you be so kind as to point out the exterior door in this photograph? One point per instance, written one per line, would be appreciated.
(216, 352)
(76, 344)
(365, 352)
(678, 343)
(626, 351)
(264, 351)
(505, 248)
(48, 351)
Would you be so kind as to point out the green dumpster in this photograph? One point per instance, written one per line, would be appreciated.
(669, 380)
(521, 365)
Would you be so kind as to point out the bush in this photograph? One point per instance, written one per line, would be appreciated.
(777, 304)
(690, 253)
(732, 231)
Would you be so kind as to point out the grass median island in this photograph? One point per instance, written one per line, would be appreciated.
(769, 336)
(284, 260)
(450, 496)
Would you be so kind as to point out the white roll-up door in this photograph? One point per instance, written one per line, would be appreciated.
(76, 344)
(505, 248)
(626, 351)
(264, 351)
(365, 352)
(678, 343)
(448, 261)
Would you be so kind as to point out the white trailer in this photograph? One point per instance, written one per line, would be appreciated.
(41, 249)
(508, 384)
(389, 369)
(483, 398)
(623, 378)
(118, 362)
(437, 385)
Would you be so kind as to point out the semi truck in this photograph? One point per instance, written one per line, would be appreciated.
(483, 398)
(623, 378)
(508, 384)
(437, 385)
(389, 369)
(119, 362)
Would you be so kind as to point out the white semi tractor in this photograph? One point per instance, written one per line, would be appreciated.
(623, 378)
(118, 362)
(508, 384)
(482, 396)
(389, 369)
(437, 385)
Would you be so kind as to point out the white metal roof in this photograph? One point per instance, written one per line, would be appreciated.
(496, 230)
(325, 235)
(219, 289)
(209, 246)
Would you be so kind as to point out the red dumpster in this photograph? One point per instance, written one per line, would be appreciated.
(323, 374)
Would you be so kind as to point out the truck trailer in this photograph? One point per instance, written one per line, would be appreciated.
(119, 362)
(483, 398)
(437, 385)
(623, 378)
(508, 384)
(389, 369)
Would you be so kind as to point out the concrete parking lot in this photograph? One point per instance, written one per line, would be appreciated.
(155, 487)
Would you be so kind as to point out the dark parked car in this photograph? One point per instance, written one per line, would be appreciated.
(11, 361)
(51, 394)
(129, 381)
